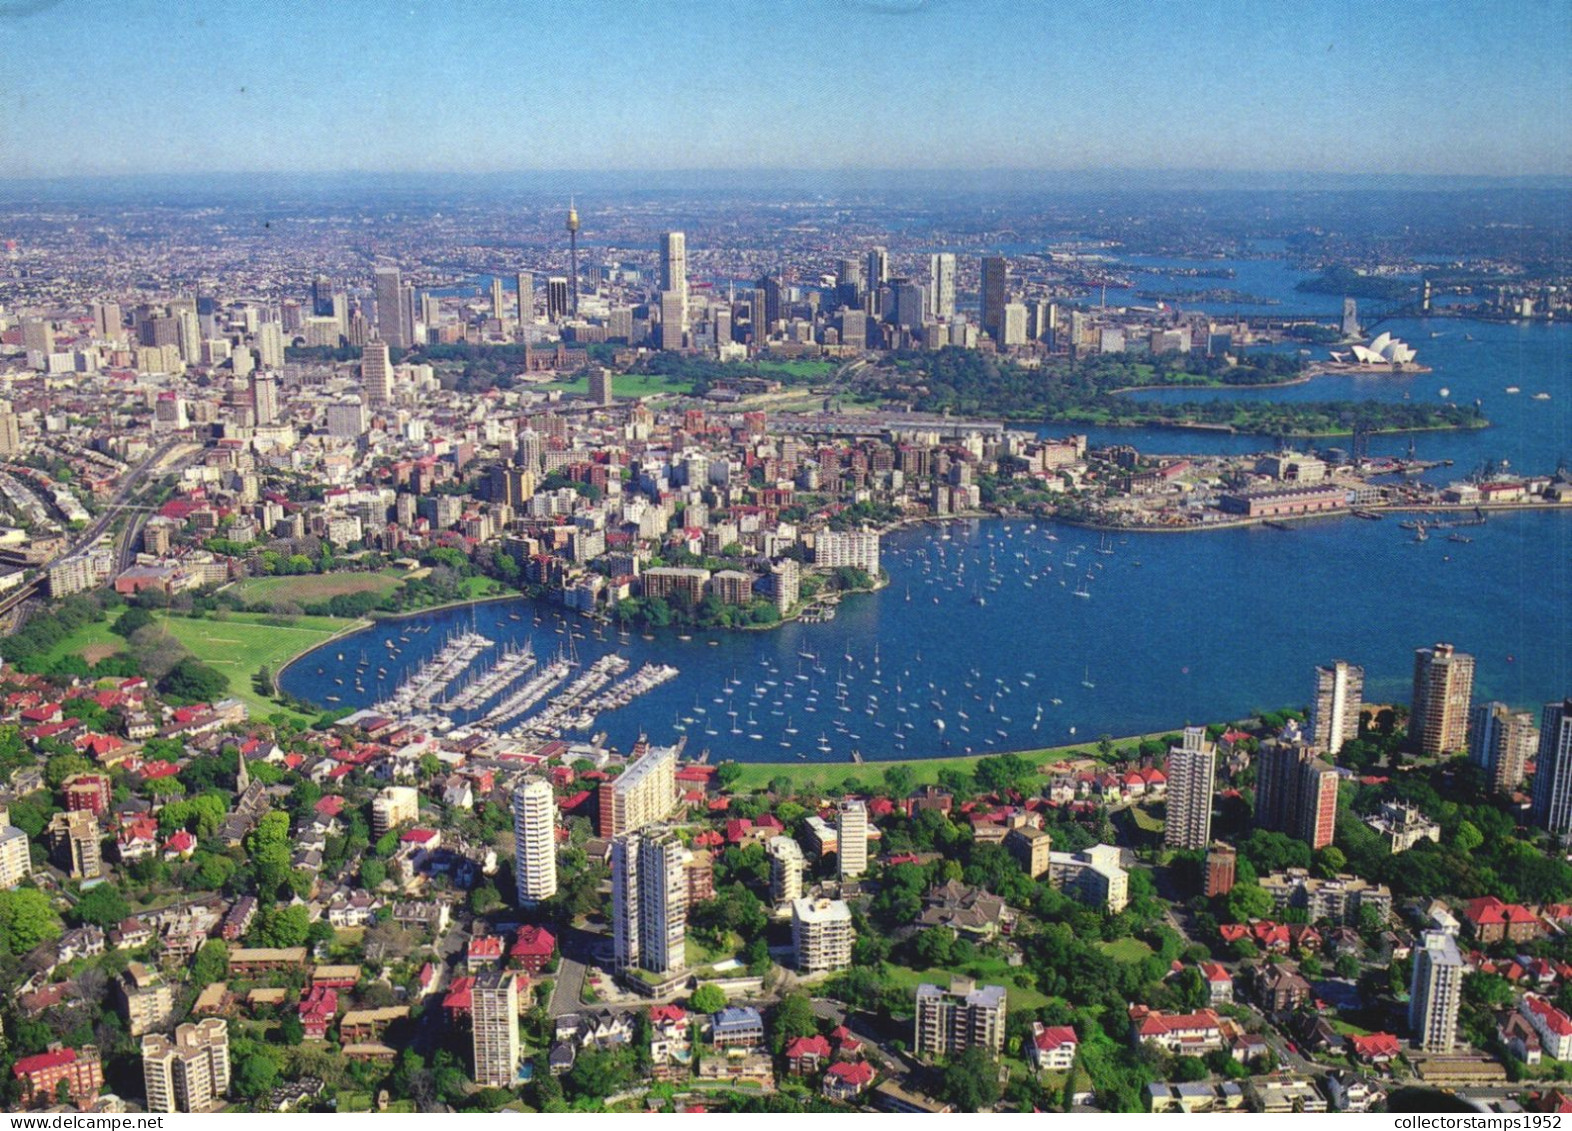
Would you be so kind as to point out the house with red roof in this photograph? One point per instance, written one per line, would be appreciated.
(1376, 1048)
(1052, 1047)
(805, 1055)
(846, 1080)
(180, 846)
(459, 999)
(1179, 1034)
(1491, 920)
(1219, 983)
(317, 1010)
(484, 953)
(532, 948)
(669, 1020)
(1553, 1026)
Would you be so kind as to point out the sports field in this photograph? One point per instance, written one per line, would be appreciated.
(310, 588)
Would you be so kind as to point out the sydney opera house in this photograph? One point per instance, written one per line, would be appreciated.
(1383, 350)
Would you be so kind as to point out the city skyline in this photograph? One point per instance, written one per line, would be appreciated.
(816, 85)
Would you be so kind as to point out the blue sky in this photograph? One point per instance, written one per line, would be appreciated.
(475, 85)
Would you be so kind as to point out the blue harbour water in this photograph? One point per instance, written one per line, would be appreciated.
(982, 630)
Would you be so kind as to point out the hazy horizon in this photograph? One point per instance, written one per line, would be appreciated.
(848, 88)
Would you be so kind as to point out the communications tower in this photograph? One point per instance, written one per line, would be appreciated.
(573, 257)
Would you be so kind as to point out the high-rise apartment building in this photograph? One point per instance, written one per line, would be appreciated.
(394, 805)
(16, 862)
(10, 431)
(376, 374)
(146, 1000)
(189, 1073)
(821, 935)
(1295, 793)
(1553, 771)
(649, 902)
(950, 1021)
(535, 841)
(1500, 742)
(1339, 697)
(1192, 768)
(1443, 687)
(993, 294)
(941, 286)
(851, 836)
(1222, 864)
(74, 841)
(1435, 992)
(393, 324)
(643, 794)
(787, 866)
(494, 1015)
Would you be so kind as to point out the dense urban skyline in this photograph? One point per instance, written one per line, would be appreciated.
(860, 85)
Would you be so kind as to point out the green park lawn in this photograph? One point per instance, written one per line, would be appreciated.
(626, 385)
(312, 588)
(1125, 950)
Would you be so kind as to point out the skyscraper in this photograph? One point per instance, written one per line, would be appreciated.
(1435, 992)
(556, 298)
(1500, 742)
(494, 1013)
(1295, 793)
(391, 326)
(496, 299)
(674, 268)
(878, 272)
(376, 374)
(264, 397)
(1339, 696)
(649, 902)
(573, 256)
(322, 297)
(1350, 318)
(1443, 687)
(526, 288)
(851, 837)
(993, 294)
(1192, 768)
(534, 841)
(1553, 770)
(941, 285)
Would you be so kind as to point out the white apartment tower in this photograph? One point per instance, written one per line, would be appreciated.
(1339, 696)
(1434, 993)
(1192, 768)
(535, 841)
(851, 835)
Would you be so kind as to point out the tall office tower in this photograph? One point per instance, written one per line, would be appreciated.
(1553, 771)
(941, 286)
(674, 267)
(910, 306)
(993, 294)
(1350, 318)
(556, 298)
(950, 1021)
(529, 451)
(1500, 742)
(534, 841)
(1443, 687)
(10, 431)
(376, 374)
(649, 901)
(1192, 768)
(878, 272)
(573, 256)
(1013, 329)
(496, 299)
(1295, 793)
(525, 284)
(1339, 696)
(673, 319)
(848, 278)
(430, 310)
(390, 307)
(264, 397)
(494, 1017)
(106, 320)
(851, 838)
(270, 345)
(759, 315)
(409, 310)
(1043, 320)
(644, 793)
(189, 1073)
(322, 297)
(1435, 992)
(188, 336)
